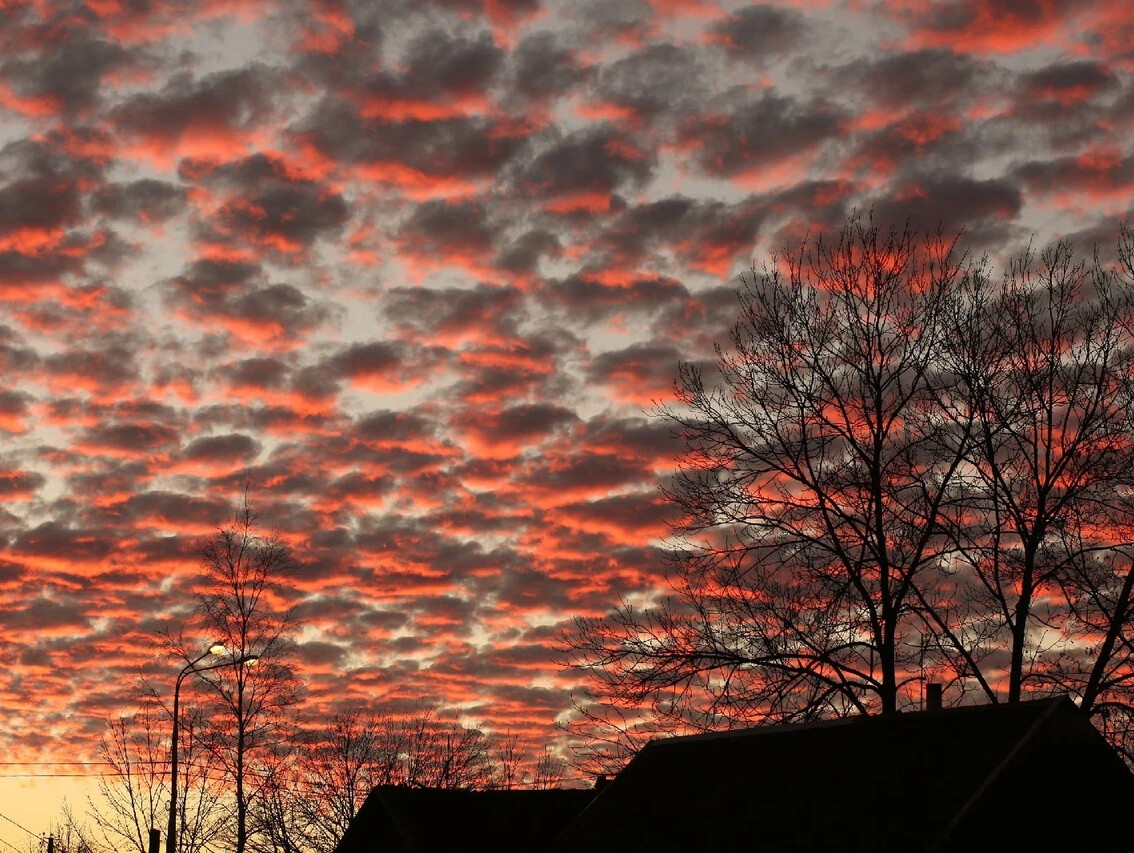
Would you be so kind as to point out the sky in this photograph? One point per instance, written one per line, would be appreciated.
(418, 270)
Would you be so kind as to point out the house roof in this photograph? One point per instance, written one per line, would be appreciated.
(424, 820)
(1033, 773)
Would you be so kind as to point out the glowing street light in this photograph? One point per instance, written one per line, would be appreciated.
(215, 649)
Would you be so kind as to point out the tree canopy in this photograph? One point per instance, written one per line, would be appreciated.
(901, 468)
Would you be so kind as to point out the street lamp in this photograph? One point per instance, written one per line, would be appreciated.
(214, 649)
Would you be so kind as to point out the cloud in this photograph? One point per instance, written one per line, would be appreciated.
(418, 271)
(214, 115)
(418, 156)
(63, 76)
(743, 133)
(542, 67)
(147, 201)
(992, 26)
(1069, 82)
(265, 205)
(233, 296)
(658, 79)
(953, 201)
(756, 33)
(582, 168)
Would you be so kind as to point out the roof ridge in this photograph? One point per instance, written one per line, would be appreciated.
(854, 720)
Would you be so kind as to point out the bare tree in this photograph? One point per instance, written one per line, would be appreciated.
(549, 771)
(904, 465)
(255, 694)
(278, 816)
(200, 812)
(135, 790)
(1046, 360)
(811, 495)
(508, 757)
(67, 834)
(310, 800)
(441, 754)
(337, 769)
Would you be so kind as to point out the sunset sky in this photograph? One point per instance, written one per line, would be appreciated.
(417, 269)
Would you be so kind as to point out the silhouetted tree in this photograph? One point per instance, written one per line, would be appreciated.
(67, 834)
(308, 801)
(135, 790)
(276, 816)
(508, 759)
(549, 771)
(336, 770)
(900, 465)
(811, 495)
(241, 606)
(1043, 584)
(441, 754)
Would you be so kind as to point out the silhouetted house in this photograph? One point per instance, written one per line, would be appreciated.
(1031, 776)
(430, 820)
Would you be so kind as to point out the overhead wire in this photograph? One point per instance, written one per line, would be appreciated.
(19, 826)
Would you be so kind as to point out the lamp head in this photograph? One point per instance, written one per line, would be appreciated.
(216, 649)
(251, 660)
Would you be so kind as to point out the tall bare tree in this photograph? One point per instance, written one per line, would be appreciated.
(241, 605)
(1044, 582)
(902, 465)
(810, 495)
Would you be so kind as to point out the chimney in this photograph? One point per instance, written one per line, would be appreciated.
(933, 696)
(601, 782)
(155, 840)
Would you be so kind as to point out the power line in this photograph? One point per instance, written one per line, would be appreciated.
(20, 826)
(68, 763)
(60, 776)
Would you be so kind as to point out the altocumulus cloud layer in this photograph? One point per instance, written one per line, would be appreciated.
(416, 269)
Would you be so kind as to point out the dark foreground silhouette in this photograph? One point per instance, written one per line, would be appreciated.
(1028, 776)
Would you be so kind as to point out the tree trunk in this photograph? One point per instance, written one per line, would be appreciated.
(1020, 625)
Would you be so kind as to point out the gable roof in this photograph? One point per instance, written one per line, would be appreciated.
(424, 820)
(940, 780)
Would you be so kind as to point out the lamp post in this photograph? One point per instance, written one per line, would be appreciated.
(214, 649)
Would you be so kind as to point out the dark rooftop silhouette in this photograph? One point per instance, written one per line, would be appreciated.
(424, 820)
(1029, 776)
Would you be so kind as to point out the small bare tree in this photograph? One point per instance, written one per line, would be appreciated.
(135, 790)
(549, 771)
(441, 754)
(67, 833)
(337, 769)
(310, 802)
(508, 759)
